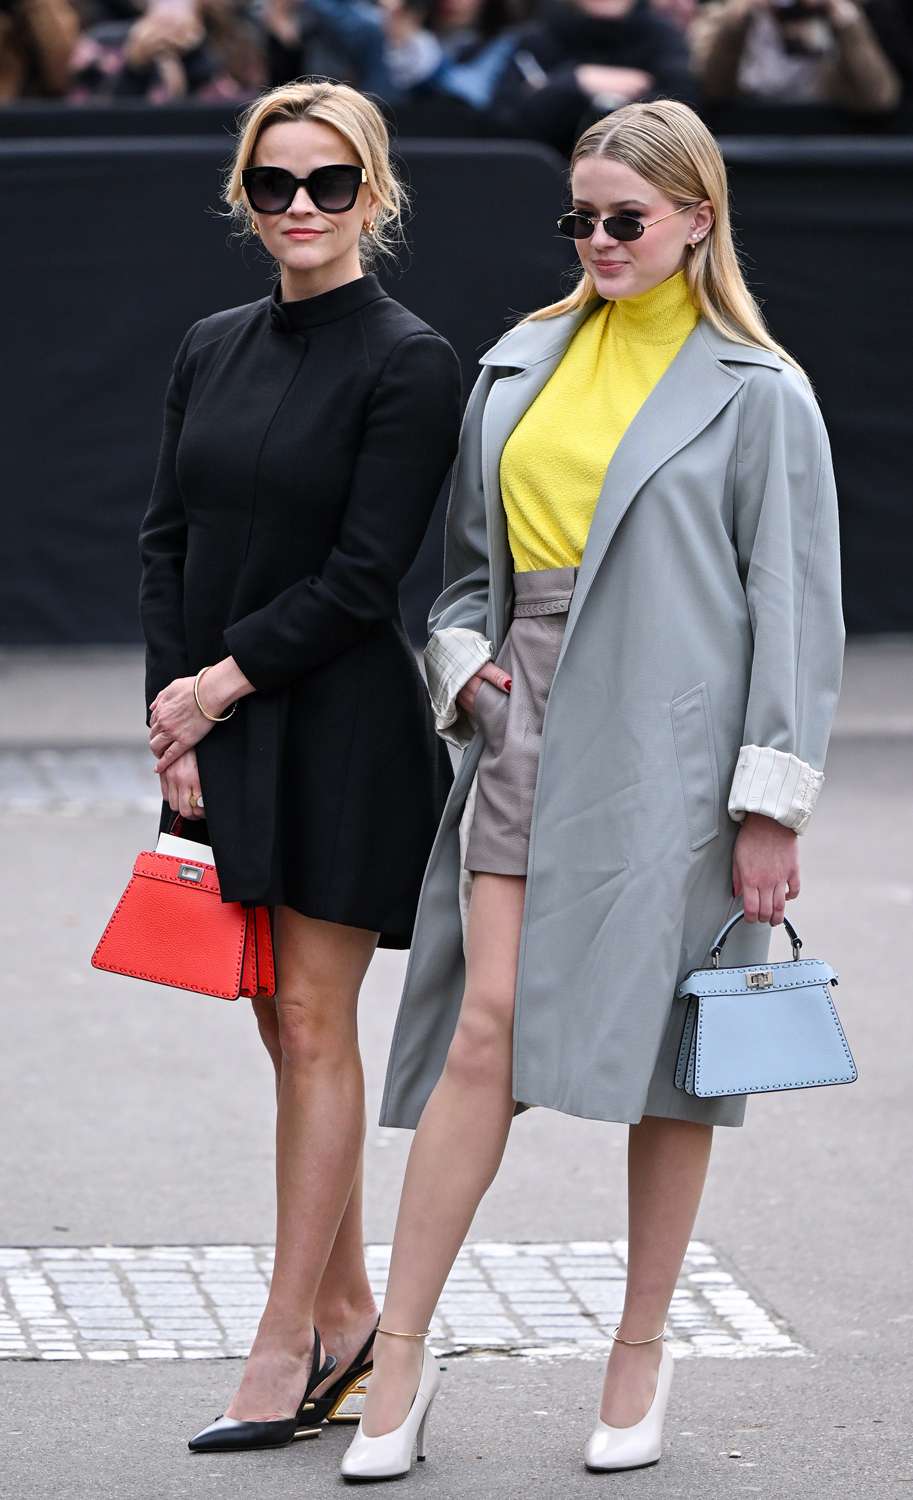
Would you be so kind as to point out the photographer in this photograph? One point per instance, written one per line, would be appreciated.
(798, 52)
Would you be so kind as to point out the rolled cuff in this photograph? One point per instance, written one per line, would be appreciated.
(452, 656)
(774, 783)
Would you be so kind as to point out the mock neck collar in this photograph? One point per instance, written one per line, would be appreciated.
(663, 315)
(309, 312)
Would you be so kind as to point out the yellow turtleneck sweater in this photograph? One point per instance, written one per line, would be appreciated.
(554, 462)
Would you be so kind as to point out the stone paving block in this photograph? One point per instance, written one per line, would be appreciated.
(178, 1301)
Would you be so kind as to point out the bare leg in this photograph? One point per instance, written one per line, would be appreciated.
(465, 1124)
(319, 1135)
(344, 1309)
(667, 1167)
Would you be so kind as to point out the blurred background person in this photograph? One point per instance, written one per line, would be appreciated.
(584, 58)
(680, 12)
(175, 49)
(396, 49)
(837, 52)
(37, 38)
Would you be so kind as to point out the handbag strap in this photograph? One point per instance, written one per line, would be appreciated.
(727, 927)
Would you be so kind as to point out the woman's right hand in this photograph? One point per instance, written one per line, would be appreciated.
(181, 778)
(466, 697)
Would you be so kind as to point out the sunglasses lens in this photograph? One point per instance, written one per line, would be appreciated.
(575, 226)
(270, 189)
(623, 227)
(334, 189)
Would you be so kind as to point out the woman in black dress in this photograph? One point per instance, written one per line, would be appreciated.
(306, 439)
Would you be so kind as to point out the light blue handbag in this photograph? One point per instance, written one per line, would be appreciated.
(755, 1028)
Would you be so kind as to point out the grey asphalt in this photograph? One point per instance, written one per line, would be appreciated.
(133, 1115)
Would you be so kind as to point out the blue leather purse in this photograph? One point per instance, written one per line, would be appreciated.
(755, 1028)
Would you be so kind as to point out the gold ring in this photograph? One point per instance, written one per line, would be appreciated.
(193, 799)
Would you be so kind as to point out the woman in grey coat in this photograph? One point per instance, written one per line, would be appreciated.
(690, 654)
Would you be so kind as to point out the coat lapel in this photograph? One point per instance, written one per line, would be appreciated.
(533, 351)
(702, 379)
(693, 391)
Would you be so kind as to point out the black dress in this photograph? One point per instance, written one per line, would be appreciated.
(304, 447)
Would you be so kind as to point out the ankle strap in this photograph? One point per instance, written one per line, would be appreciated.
(394, 1335)
(656, 1336)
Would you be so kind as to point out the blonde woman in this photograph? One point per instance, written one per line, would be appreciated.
(639, 645)
(291, 496)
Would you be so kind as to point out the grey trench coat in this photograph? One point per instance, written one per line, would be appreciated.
(697, 680)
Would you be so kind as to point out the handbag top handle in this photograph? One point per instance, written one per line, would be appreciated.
(727, 927)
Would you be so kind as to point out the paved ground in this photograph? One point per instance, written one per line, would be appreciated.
(142, 1120)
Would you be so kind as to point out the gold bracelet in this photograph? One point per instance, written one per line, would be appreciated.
(213, 718)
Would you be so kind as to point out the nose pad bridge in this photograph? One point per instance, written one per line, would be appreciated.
(308, 201)
(605, 240)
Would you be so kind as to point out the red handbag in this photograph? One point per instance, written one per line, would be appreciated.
(171, 926)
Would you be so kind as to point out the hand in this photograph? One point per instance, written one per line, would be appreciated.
(841, 12)
(466, 697)
(166, 28)
(176, 724)
(281, 17)
(594, 79)
(765, 868)
(182, 778)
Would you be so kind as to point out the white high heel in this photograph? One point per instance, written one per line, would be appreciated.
(633, 1447)
(390, 1455)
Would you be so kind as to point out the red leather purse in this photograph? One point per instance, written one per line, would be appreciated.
(172, 927)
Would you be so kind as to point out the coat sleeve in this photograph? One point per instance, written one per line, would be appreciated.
(407, 446)
(787, 537)
(458, 646)
(163, 547)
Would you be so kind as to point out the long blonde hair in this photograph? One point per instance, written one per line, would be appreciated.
(668, 145)
(358, 119)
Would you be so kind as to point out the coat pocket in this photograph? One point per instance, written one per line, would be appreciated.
(692, 730)
(490, 712)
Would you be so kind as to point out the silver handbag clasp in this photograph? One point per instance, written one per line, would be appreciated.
(759, 979)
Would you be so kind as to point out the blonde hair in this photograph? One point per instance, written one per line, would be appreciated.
(356, 118)
(668, 145)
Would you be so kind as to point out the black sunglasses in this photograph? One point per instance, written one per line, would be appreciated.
(579, 226)
(332, 190)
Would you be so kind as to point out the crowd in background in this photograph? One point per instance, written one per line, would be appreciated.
(534, 68)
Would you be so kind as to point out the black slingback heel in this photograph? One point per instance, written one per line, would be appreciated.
(232, 1434)
(326, 1408)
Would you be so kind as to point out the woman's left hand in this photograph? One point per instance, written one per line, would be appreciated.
(176, 724)
(765, 868)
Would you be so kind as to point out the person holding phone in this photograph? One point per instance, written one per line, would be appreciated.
(799, 52)
(307, 435)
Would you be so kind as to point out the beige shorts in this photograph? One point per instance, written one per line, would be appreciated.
(511, 723)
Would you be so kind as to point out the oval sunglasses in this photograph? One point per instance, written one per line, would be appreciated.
(579, 226)
(332, 189)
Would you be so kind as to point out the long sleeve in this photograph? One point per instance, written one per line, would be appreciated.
(866, 77)
(787, 536)
(458, 646)
(163, 547)
(718, 35)
(53, 28)
(407, 447)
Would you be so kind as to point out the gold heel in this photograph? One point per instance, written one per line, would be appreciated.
(356, 1387)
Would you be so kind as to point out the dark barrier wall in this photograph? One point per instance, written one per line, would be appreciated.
(113, 247)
